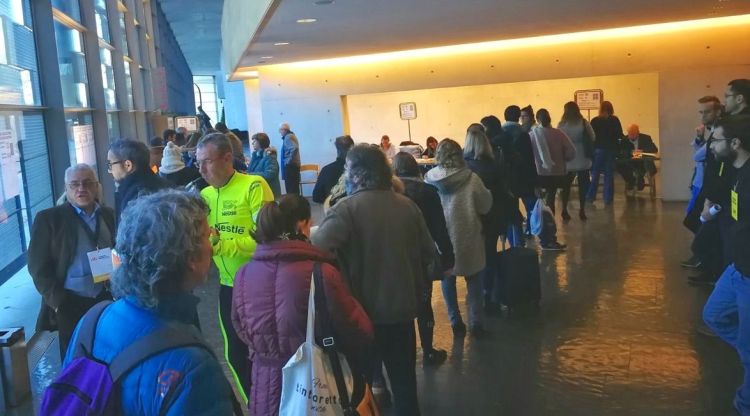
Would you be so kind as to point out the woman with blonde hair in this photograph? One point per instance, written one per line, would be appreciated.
(480, 159)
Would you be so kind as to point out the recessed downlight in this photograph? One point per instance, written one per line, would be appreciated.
(308, 20)
(266, 57)
(280, 43)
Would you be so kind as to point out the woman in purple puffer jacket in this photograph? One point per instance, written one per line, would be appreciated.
(269, 305)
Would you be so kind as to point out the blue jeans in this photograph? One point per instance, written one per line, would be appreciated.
(604, 161)
(473, 299)
(727, 313)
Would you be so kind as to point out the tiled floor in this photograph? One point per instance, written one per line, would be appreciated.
(614, 336)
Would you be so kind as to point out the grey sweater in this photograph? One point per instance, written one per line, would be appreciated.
(465, 200)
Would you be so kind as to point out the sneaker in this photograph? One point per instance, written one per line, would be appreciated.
(554, 246)
(435, 357)
(478, 332)
(459, 330)
(691, 263)
(702, 279)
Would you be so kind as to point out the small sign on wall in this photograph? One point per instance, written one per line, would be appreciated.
(589, 99)
(189, 122)
(408, 111)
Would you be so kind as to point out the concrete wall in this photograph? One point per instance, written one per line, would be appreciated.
(239, 21)
(309, 95)
(253, 107)
(678, 110)
(446, 112)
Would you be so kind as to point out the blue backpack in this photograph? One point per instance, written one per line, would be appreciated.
(88, 386)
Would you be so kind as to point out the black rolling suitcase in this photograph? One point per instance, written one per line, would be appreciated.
(519, 277)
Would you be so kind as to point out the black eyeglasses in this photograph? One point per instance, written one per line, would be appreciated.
(110, 164)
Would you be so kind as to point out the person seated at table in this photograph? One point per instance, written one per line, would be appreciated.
(429, 152)
(632, 164)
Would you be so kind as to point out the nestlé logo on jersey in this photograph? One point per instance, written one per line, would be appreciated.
(225, 227)
(229, 208)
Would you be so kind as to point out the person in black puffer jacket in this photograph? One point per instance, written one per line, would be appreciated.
(480, 159)
(427, 199)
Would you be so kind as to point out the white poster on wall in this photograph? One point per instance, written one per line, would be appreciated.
(9, 164)
(189, 122)
(83, 137)
(408, 111)
(589, 99)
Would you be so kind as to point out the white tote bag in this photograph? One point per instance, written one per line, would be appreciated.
(308, 384)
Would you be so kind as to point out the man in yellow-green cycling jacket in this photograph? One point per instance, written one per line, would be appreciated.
(234, 199)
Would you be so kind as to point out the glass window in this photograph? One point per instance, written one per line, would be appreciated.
(205, 95)
(80, 130)
(108, 78)
(102, 23)
(72, 62)
(113, 126)
(144, 48)
(19, 79)
(124, 44)
(69, 7)
(25, 186)
(129, 86)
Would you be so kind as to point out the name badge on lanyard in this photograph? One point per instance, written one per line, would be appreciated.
(735, 207)
(100, 262)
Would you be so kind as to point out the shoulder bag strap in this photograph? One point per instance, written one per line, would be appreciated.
(329, 340)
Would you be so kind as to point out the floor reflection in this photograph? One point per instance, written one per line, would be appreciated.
(614, 335)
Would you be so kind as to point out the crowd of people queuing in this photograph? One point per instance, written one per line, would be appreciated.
(718, 214)
(395, 222)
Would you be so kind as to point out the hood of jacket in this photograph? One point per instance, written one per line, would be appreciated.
(448, 181)
(291, 250)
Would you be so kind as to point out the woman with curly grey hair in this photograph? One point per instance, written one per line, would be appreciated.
(465, 200)
(165, 253)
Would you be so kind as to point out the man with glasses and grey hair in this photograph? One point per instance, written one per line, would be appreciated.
(128, 162)
(63, 239)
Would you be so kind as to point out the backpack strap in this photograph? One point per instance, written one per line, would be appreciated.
(159, 341)
(152, 344)
(85, 344)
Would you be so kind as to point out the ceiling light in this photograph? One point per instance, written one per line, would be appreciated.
(266, 57)
(307, 20)
(280, 43)
(323, 2)
(545, 40)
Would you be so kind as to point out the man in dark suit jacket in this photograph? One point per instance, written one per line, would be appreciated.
(61, 238)
(330, 174)
(631, 165)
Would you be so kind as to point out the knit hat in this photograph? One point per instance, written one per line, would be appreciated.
(171, 161)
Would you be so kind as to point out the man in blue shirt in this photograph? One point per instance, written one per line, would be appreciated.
(62, 238)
